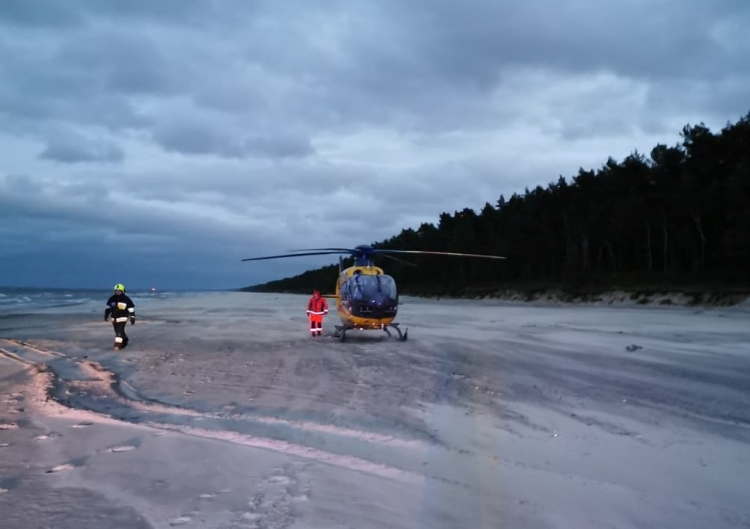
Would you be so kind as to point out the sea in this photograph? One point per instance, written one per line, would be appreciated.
(15, 300)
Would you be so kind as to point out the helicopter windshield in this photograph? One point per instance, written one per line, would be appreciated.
(372, 287)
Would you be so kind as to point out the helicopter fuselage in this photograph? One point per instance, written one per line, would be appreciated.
(366, 298)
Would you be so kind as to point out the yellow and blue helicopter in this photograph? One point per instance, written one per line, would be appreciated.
(366, 297)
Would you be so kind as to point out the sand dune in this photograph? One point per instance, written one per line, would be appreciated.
(223, 413)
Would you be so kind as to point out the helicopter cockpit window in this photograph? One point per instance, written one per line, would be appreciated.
(372, 287)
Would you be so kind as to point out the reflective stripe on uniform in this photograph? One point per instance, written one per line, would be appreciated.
(121, 319)
(131, 309)
(118, 339)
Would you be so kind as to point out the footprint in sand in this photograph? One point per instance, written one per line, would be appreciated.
(47, 436)
(273, 504)
(251, 516)
(82, 424)
(121, 448)
(8, 426)
(4, 445)
(14, 398)
(182, 520)
(126, 446)
(207, 496)
(60, 468)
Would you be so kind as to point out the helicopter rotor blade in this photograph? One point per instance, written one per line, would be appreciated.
(355, 251)
(399, 260)
(342, 250)
(425, 252)
(368, 251)
(288, 255)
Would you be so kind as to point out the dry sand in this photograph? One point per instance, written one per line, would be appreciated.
(224, 413)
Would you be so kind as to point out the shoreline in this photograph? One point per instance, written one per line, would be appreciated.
(720, 297)
(619, 297)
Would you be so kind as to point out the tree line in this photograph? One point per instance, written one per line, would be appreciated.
(679, 216)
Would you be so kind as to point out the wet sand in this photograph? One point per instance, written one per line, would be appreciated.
(224, 413)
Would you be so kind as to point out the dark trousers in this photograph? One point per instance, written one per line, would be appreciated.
(119, 327)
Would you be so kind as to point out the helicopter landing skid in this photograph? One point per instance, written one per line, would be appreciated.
(340, 332)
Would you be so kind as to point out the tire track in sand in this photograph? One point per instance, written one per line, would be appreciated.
(100, 394)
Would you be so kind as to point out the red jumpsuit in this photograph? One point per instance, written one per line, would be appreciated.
(317, 308)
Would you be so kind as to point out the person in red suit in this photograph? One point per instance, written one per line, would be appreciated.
(317, 309)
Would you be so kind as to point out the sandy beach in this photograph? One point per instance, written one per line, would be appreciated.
(224, 413)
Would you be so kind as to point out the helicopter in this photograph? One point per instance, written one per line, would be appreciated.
(366, 297)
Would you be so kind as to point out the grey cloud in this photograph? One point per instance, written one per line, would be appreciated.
(441, 59)
(74, 148)
(227, 218)
(470, 40)
(123, 62)
(83, 78)
(708, 98)
(235, 185)
(252, 127)
(195, 138)
(162, 12)
(44, 13)
(53, 13)
(22, 184)
(421, 65)
(123, 211)
(279, 146)
(57, 242)
(227, 140)
(30, 99)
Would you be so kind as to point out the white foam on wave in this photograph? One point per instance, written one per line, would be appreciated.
(44, 301)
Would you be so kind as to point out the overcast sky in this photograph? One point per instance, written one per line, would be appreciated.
(160, 142)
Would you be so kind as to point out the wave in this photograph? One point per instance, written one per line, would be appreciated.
(15, 299)
(25, 299)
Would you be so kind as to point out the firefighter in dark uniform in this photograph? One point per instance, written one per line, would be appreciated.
(121, 308)
(317, 308)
